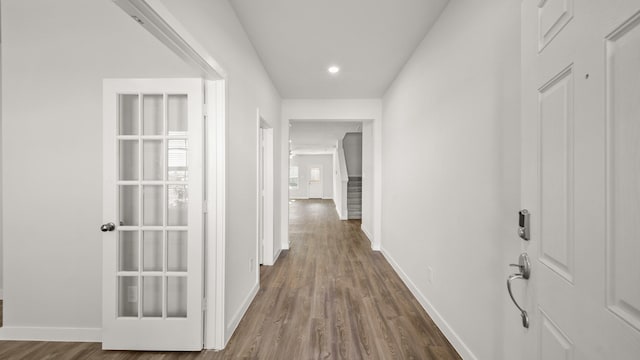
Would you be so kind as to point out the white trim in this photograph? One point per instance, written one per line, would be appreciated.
(442, 324)
(50, 334)
(340, 212)
(235, 320)
(1, 294)
(259, 257)
(160, 22)
(267, 201)
(367, 233)
(276, 256)
(327, 198)
(299, 198)
(215, 251)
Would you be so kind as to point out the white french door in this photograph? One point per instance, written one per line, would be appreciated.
(581, 176)
(153, 213)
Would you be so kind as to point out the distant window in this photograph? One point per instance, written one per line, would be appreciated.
(293, 177)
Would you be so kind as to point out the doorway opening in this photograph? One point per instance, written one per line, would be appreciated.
(265, 191)
(326, 162)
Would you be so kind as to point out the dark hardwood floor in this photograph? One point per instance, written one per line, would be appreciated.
(329, 297)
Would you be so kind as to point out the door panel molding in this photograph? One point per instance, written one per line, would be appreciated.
(556, 117)
(554, 344)
(623, 172)
(553, 16)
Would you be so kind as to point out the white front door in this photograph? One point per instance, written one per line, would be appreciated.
(581, 179)
(153, 214)
(315, 182)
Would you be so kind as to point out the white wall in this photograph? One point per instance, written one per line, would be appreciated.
(367, 178)
(216, 27)
(339, 181)
(55, 56)
(352, 144)
(304, 164)
(451, 171)
(341, 110)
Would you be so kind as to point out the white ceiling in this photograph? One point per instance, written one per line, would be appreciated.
(370, 40)
(319, 137)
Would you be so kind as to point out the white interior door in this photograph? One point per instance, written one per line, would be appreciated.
(581, 176)
(153, 215)
(315, 182)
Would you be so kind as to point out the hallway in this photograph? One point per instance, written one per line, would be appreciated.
(329, 297)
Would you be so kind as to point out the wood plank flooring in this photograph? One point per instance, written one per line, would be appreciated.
(329, 297)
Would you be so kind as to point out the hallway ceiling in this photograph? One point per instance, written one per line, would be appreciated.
(370, 40)
(319, 137)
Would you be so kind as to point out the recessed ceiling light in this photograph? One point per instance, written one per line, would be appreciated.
(333, 69)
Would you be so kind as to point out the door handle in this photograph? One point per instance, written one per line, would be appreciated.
(108, 227)
(524, 265)
(523, 312)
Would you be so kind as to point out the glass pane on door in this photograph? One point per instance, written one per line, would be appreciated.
(152, 160)
(176, 296)
(177, 251)
(128, 205)
(153, 114)
(177, 201)
(152, 248)
(127, 296)
(128, 251)
(152, 296)
(128, 159)
(152, 200)
(177, 160)
(314, 174)
(128, 114)
(177, 115)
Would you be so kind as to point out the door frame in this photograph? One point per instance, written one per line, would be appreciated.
(160, 22)
(367, 111)
(215, 231)
(264, 197)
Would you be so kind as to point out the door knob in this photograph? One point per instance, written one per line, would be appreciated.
(524, 265)
(108, 227)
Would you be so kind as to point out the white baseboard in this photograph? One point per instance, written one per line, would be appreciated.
(298, 198)
(51, 334)
(276, 257)
(340, 213)
(367, 233)
(442, 324)
(235, 321)
(271, 262)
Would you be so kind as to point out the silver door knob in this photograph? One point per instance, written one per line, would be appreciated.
(108, 227)
(524, 265)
